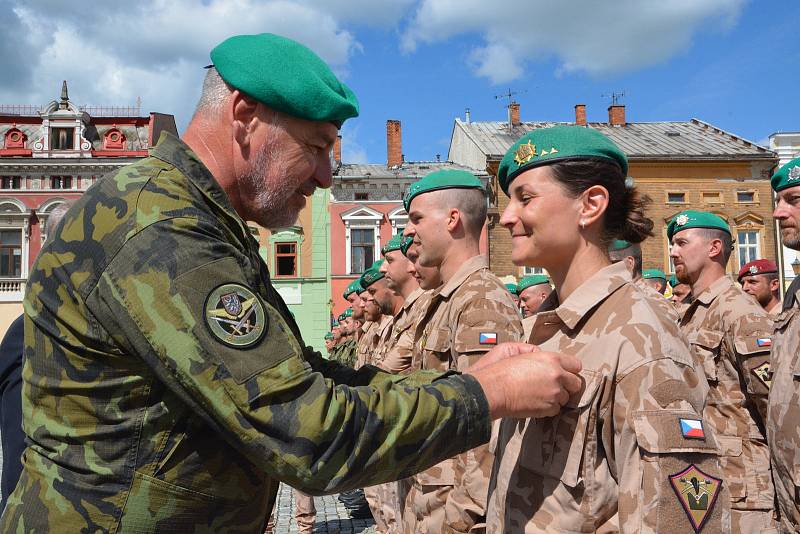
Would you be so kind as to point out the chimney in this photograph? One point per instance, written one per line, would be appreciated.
(513, 114)
(337, 149)
(394, 143)
(616, 115)
(580, 114)
(467, 116)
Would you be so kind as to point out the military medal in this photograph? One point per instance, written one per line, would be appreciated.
(235, 316)
(697, 493)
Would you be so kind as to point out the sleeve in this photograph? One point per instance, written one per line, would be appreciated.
(663, 455)
(751, 341)
(483, 324)
(248, 378)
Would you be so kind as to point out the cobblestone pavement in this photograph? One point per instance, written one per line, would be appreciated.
(332, 516)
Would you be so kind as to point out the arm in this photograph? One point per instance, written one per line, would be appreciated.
(750, 341)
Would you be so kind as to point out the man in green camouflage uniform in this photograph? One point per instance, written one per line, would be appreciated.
(166, 386)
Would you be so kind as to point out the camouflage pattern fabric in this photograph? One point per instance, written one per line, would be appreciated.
(731, 336)
(345, 353)
(365, 344)
(382, 334)
(527, 326)
(664, 305)
(399, 349)
(467, 316)
(616, 443)
(149, 409)
(784, 413)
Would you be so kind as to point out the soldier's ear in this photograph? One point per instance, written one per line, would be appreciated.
(245, 118)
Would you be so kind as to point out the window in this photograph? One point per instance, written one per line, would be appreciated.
(113, 140)
(361, 196)
(15, 139)
(62, 138)
(676, 198)
(61, 182)
(398, 230)
(362, 249)
(711, 197)
(527, 271)
(745, 196)
(11, 182)
(11, 253)
(285, 259)
(748, 246)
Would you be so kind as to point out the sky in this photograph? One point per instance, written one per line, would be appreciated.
(732, 63)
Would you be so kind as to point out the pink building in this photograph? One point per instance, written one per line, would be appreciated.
(366, 209)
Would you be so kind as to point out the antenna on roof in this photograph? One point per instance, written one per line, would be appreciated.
(509, 95)
(614, 96)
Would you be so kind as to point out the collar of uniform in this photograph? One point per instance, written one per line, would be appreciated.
(412, 298)
(472, 265)
(589, 294)
(174, 151)
(385, 323)
(714, 290)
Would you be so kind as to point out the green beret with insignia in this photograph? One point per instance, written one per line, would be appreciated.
(371, 275)
(335, 324)
(532, 280)
(444, 179)
(787, 176)
(619, 244)
(513, 289)
(284, 75)
(545, 146)
(696, 219)
(649, 274)
(353, 287)
(329, 336)
(347, 313)
(397, 242)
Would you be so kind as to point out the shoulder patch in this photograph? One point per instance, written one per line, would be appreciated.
(763, 373)
(697, 493)
(235, 316)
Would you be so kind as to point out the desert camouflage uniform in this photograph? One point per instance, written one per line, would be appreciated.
(346, 354)
(365, 343)
(663, 304)
(730, 337)
(451, 497)
(616, 444)
(783, 427)
(527, 326)
(398, 350)
(305, 514)
(142, 418)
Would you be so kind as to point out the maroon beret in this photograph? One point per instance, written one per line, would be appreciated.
(757, 267)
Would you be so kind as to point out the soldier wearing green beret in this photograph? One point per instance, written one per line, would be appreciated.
(784, 395)
(533, 290)
(167, 387)
(630, 253)
(618, 460)
(655, 278)
(328, 341)
(730, 335)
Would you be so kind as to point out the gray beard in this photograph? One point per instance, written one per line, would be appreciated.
(269, 202)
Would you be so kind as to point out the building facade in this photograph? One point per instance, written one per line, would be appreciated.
(679, 165)
(50, 155)
(787, 146)
(366, 209)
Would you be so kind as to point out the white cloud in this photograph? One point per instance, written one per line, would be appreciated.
(598, 38)
(352, 150)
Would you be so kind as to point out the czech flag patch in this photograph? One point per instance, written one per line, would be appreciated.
(488, 338)
(692, 429)
(764, 342)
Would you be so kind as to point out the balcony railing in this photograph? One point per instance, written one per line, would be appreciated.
(12, 289)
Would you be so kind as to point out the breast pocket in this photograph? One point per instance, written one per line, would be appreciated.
(436, 346)
(706, 348)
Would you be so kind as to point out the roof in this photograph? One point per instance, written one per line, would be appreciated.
(693, 139)
(410, 170)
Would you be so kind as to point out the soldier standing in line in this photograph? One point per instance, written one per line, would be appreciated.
(784, 396)
(513, 290)
(630, 253)
(348, 327)
(760, 279)
(656, 279)
(730, 336)
(351, 295)
(632, 443)
(372, 315)
(329, 342)
(468, 314)
(533, 290)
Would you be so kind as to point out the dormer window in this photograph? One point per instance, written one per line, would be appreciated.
(62, 138)
(113, 140)
(15, 139)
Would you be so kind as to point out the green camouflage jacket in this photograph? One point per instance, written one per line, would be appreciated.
(167, 387)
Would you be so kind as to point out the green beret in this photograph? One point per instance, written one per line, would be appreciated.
(673, 281)
(444, 179)
(353, 287)
(341, 317)
(696, 219)
(329, 336)
(397, 242)
(787, 176)
(544, 146)
(284, 75)
(513, 289)
(371, 275)
(532, 280)
(649, 274)
(347, 313)
(619, 244)
(335, 324)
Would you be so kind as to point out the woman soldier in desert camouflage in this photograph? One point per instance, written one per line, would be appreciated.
(630, 450)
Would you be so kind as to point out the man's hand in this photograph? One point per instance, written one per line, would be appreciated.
(501, 352)
(535, 384)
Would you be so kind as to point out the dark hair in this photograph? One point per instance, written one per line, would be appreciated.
(722, 235)
(625, 215)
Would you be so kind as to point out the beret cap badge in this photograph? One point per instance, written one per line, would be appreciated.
(681, 220)
(753, 269)
(794, 173)
(525, 152)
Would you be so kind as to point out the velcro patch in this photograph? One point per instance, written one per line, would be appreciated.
(235, 316)
(692, 428)
(764, 342)
(697, 493)
(488, 338)
(763, 373)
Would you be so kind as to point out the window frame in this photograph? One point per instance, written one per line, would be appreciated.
(740, 245)
(668, 193)
(295, 254)
(351, 246)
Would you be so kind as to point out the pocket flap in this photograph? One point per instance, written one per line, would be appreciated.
(591, 383)
(673, 431)
(752, 344)
(710, 339)
(437, 340)
(730, 445)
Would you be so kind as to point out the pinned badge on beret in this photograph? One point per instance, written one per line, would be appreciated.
(794, 173)
(697, 493)
(681, 220)
(525, 152)
(754, 269)
(235, 316)
(763, 373)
